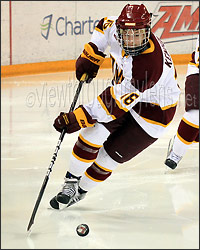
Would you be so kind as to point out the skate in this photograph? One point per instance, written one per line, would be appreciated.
(172, 159)
(76, 198)
(69, 189)
(70, 194)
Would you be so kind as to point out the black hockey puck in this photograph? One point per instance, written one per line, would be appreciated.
(82, 230)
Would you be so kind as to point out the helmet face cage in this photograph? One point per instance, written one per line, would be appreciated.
(133, 41)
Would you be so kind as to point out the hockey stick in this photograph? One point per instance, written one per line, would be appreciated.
(78, 90)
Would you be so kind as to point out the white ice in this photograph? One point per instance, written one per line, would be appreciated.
(141, 206)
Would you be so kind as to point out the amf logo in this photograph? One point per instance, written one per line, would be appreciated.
(72, 28)
(175, 20)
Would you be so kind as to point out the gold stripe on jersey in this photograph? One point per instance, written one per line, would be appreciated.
(156, 123)
(194, 64)
(169, 106)
(153, 103)
(81, 159)
(89, 143)
(89, 54)
(90, 177)
(165, 107)
(181, 139)
(124, 54)
(106, 169)
(151, 49)
(175, 74)
(97, 29)
(104, 107)
(118, 103)
(190, 123)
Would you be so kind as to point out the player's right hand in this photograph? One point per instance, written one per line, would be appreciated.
(89, 62)
(83, 66)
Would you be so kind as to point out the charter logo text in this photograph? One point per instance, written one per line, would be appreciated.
(64, 26)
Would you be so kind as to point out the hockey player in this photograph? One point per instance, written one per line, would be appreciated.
(188, 129)
(127, 116)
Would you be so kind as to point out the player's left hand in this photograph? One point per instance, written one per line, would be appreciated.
(73, 121)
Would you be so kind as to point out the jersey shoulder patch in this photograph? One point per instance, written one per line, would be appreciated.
(105, 23)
